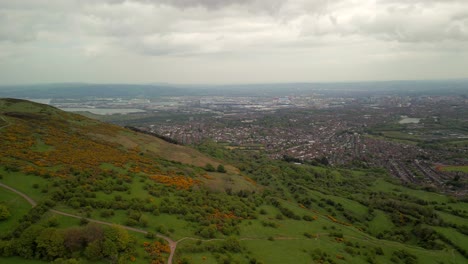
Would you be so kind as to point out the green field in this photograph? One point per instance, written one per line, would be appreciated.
(455, 236)
(26, 184)
(17, 207)
(385, 186)
(260, 241)
(455, 168)
(380, 223)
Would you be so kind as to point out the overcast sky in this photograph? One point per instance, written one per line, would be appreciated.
(231, 41)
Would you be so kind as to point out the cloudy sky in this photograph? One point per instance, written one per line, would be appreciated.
(231, 41)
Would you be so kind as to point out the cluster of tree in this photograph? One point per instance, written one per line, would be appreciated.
(136, 218)
(428, 238)
(78, 198)
(92, 242)
(229, 245)
(156, 250)
(209, 167)
(212, 212)
(284, 210)
(286, 180)
(320, 256)
(403, 256)
(4, 212)
(356, 248)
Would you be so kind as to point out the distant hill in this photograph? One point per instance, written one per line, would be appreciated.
(82, 90)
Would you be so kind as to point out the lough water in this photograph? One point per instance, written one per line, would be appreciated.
(409, 120)
(105, 111)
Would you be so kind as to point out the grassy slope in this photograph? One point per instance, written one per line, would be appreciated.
(125, 139)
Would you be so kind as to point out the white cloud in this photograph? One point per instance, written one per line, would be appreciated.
(260, 33)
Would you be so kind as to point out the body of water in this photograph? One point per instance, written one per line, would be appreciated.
(41, 101)
(409, 120)
(105, 111)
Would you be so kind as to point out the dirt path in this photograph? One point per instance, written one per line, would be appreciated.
(172, 243)
(4, 120)
(27, 198)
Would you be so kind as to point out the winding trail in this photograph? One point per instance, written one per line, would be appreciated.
(4, 120)
(27, 198)
(172, 243)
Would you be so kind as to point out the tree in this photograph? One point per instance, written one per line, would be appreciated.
(84, 221)
(74, 239)
(209, 167)
(93, 232)
(232, 244)
(26, 244)
(50, 244)
(66, 261)
(94, 250)
(4, 212)
(119, 236)
(221, 168)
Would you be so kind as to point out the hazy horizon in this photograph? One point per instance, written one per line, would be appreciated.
(232, 84)
(231, 42)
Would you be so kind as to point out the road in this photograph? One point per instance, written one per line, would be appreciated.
(172, 243)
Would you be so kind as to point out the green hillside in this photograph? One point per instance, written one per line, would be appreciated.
(108, 194)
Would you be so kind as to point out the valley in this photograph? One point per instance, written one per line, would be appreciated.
(171, 207)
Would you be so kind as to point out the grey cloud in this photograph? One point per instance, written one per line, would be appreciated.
(211, 4)
(199, 30)
(424, 2)
(25, 20)
(23, 26)
(397, 20)
(21, 31)
(420, 26)
(257, 5)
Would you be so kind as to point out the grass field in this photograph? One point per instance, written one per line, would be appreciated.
(205, 258)
(456, 237)
(17, 206)
(385, 186)
(458, 142)
(406, 141)
(380, 223)
(26, 184)
(452, 218)
(455, 168)
(400, 135)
